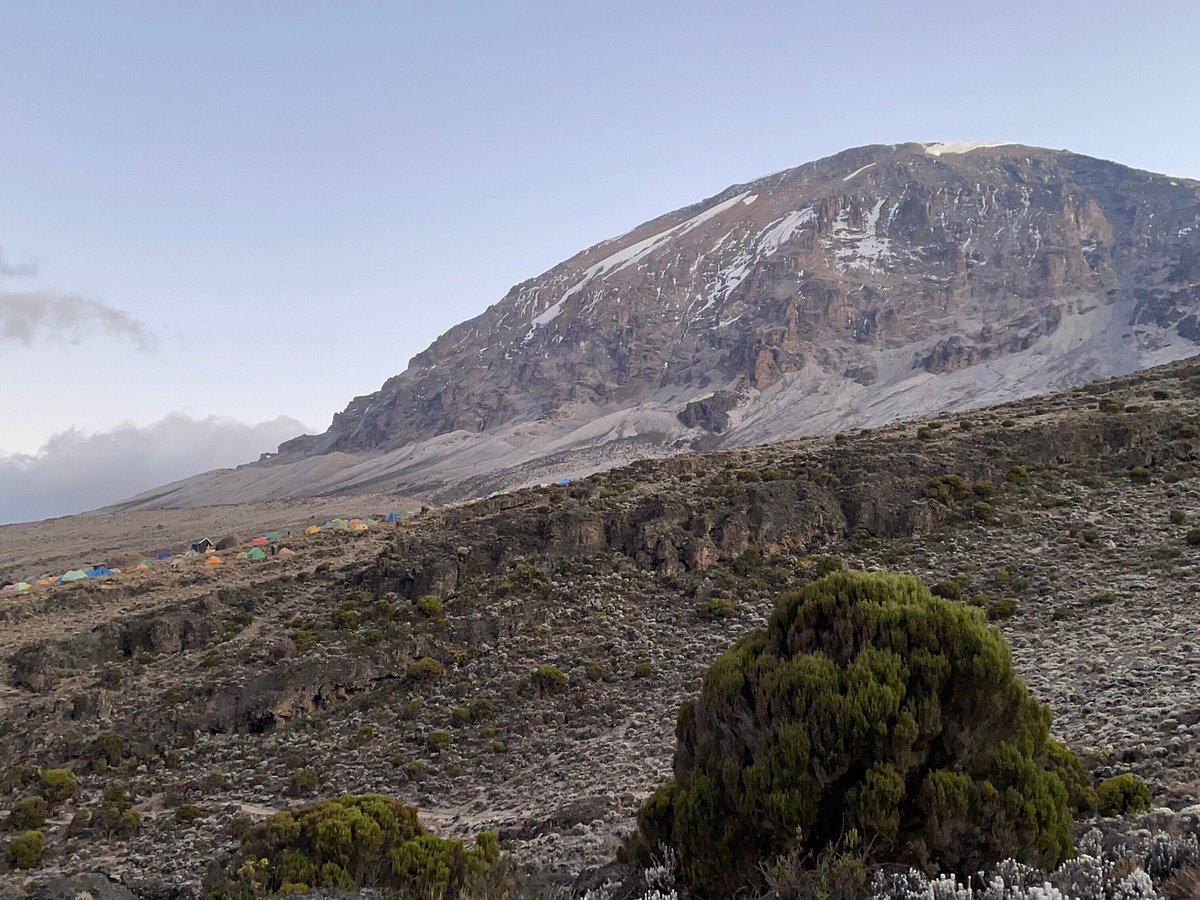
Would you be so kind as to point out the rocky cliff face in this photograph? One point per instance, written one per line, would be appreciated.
(885, 282)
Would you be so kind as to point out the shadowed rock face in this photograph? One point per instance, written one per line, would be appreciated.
(963, 257)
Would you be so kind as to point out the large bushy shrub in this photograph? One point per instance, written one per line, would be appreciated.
(868, 711)
(359, 841)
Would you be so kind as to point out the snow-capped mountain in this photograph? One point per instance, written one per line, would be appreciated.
(885, 282)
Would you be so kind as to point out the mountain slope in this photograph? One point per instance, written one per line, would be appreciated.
(882, 283)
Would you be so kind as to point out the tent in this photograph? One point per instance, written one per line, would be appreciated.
(256, 553)
(144, 566)
(42, 582)
(73, 575)
(339, 524)
(97, 571)
(259, 541)
(370, 523)
(285, 551)
(360, 526)
(203, 545)
(22, 586)
(312, 529)
(213, 560)
(564, 481)
(163, 555)
(392, 517)
(274, 535)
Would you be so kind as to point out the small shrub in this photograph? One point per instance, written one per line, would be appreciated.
(1122, 794)
(25, 851)
(345, 617)
(431, 606)
(1090, 535)
(1017, 475)
(363, 841)
(111, 676)
(303, 639)
(425, 670)
(188, 813)
(643, 670)
(438, 741)
(28, 813)
(951, 589)
(1001, 608)
(828, 564)
(1178, 517)
(1139, 475)
(108, 749)
(57, 785)
(594, 672)
(549, 680)
(302, 783)
(415, 770)
(719, 608)
(1193, 537)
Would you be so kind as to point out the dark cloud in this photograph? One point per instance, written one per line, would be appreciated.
(76, 471)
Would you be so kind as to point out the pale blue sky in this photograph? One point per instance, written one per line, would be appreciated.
(296, 197)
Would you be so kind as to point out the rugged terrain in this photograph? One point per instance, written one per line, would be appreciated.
(407, 661)
(883, 283)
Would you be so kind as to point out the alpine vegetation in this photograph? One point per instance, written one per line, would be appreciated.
(869, 716)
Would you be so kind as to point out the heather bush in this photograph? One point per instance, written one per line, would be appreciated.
(866, 707)
(26, 850)
(57, 785)
(1122, 794)
(364, 841)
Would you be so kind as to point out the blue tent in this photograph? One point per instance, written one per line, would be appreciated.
(392, 517)
(163, 555)
(96, 571)
(564, 481)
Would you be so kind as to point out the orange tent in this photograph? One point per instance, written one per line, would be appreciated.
(259, 541)
(213, 560)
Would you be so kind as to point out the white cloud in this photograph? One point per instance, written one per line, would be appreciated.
(76, 471)
(47, 316)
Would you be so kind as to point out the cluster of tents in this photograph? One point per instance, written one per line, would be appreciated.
(259, 548)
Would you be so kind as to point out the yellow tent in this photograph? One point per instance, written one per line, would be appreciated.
(312, 529)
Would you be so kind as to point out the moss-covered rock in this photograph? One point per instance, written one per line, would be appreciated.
(867, 707)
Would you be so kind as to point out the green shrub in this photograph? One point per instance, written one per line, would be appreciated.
(345, 617)
(549, 680)
(643, 670)
(473, 712)
(719, 608)
(28, 813)
(594, 672)
(1178, 517)
(108, 749)
(355, 842)
(1002, 608)
(302, 783)
(431, 606)
(867, 707)
(188, 812)
(116, 816)
(425, 670)
(1139, 474)
(951, 589)
(828, 564)
(438, 741)
(1193, 537)
(25, 851)
(57, 785)
(1122, 794)
(1017, 475)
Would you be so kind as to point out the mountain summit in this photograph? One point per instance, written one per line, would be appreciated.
(886, 282)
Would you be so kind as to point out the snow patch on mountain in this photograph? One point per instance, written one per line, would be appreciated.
(937, 149)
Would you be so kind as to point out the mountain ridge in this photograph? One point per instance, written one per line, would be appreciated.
(884, 282)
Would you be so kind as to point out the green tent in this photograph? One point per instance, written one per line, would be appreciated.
(274, 535)
(73, 575)
(256, 553)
